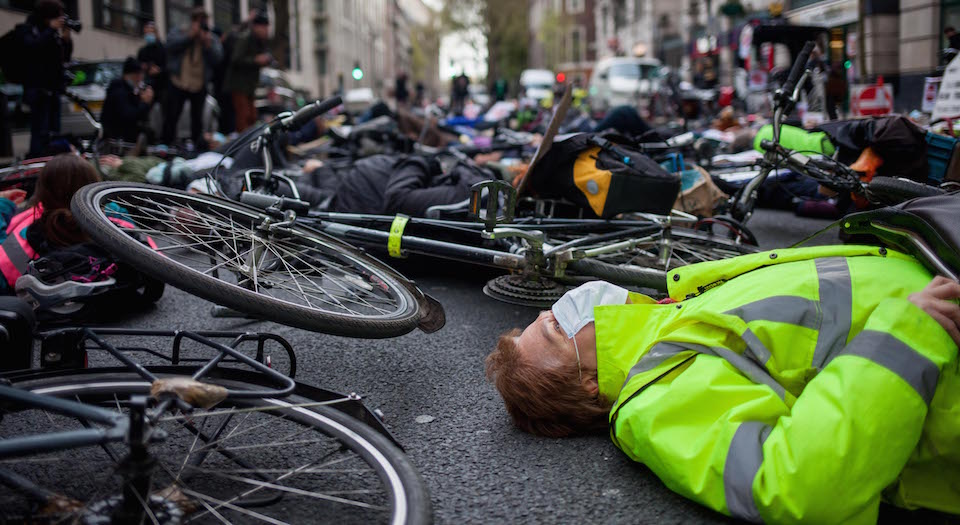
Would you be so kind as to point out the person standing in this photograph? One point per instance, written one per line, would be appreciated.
(836, 91)
(400, 91)
(249, 55)
(953, 38)
(47, 41)
(127, 103)
(192, 55)
(153, 58)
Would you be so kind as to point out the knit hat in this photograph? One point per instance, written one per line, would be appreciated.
(131, 65)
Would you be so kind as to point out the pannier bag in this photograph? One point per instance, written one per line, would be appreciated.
(605, 175)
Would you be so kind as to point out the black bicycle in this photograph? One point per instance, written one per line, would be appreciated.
(826, 171)
(217, 435)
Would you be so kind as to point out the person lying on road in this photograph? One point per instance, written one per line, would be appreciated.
(797, 385)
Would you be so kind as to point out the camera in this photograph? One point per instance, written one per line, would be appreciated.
(205, 26)
(73, 24)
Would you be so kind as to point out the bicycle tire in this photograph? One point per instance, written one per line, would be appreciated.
(355, 444)
(893, 190)
(378, 303)
(622, 270)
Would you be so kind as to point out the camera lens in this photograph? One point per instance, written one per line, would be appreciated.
(74, 25)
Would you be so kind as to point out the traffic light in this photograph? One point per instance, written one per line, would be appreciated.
(561, 78)
(357, 72)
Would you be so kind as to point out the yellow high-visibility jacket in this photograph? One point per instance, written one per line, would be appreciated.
(795, 385)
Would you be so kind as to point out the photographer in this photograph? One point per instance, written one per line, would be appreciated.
(192, 54)
(127, 104)
(47, 43)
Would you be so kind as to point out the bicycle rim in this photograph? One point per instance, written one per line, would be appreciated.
(220, 250)
(243, 461)
(680, 248)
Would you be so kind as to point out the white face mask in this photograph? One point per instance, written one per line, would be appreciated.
(575, 309)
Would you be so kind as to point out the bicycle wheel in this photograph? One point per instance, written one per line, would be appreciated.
(243, 461)
(236, 256)
(646, 264)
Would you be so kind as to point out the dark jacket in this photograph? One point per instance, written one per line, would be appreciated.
(48, 52)
(178, 42)
(243, 73)
(122, 111)
(389, 184)
(154, 54)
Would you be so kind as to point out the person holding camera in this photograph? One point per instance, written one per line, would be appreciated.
(127, 103)
(192, 55)
(243, 74)
(46, 40)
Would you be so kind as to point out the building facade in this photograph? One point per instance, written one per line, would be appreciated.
(319, 41)
(563, 36)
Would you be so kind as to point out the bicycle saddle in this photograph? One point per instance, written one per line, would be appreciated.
(926, 227)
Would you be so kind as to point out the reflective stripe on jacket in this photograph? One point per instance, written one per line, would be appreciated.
(795, 385)
(15, 252)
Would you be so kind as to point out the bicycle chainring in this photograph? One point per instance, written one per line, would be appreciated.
(524, 290)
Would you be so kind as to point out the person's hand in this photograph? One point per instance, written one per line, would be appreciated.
(153, 70)
(146, 95)
(263, 59)
(938, 300)
(111, 161)
(57, 23)
(16, 195)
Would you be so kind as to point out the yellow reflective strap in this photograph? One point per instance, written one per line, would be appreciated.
(396, 233)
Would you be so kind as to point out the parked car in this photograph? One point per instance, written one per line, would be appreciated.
(536, 83)
(622, 81)
(479, 95)
(275, 94)
(357, 100)
(90, 81)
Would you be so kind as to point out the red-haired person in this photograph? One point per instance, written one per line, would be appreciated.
(47, 222)
(801, 385)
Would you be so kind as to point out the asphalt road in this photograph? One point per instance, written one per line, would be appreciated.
(478, 468)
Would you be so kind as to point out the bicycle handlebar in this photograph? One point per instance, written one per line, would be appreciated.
(308, 112)
(798, 67)
(261, 201)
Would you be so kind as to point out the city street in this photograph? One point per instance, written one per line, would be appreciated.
(434, 397)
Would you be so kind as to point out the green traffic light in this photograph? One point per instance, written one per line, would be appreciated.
(357, 73)
(847, 64)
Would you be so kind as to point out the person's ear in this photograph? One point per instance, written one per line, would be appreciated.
(592, 384)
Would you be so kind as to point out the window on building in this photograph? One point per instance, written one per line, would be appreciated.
(575, 6)
(576, 44)
(619, 14)
(638, 9)
(226, 14)
(177, 12)
(122, 16)
(321, 62)
(320, 6)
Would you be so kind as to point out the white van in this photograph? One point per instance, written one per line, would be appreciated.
(622, 81)
(536, 83)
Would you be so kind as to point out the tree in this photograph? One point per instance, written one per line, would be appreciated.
(553, 36)
(503, 24)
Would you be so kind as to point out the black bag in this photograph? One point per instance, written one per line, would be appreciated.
(16, 333)
(14, 59)
(605, 175)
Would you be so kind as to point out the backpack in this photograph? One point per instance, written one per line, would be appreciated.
(14, 58)
(604, 175)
